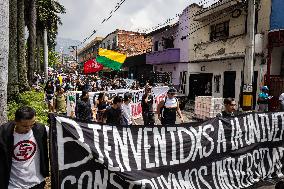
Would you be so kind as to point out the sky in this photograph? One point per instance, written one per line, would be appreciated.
(84, 16)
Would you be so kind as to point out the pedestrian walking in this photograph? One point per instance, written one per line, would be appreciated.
(49, 94)
(24, 159)
(147, 107)
(83, 110)
(60, 101)
(230, 108)
(113, 115)
(127, 116)
(263, 99)
(168, 108)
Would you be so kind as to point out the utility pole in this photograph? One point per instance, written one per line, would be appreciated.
(249, 58)
(45, 55)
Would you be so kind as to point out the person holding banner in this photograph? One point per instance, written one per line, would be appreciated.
(168, 108)
(127, 115)
(113, 115)
(24, 162)
(100, 105)
(230, 108)
(147, 107)
(83, 110)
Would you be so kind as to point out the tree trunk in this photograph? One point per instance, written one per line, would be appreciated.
(4, 54)
(22, 65)
(38, 48)
(13, 89)
(32, 39)
(45, 54)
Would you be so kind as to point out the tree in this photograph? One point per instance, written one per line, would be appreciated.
(38, 50)
(32, 18)
(22, 65)
(13, 89)
(4, 54)
(48, 18)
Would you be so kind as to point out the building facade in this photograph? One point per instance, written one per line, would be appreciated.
(217, 48)
(90, 51)
(126, 42)
(170, 53)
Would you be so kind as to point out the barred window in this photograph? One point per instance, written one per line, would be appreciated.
(219, 31)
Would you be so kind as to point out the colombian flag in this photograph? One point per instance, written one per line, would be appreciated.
(110, 59)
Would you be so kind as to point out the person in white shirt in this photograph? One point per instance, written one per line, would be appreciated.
(281, 101)
(24, 162)
(127, 115)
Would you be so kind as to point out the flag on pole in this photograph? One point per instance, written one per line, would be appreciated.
(92, 66)
(110, 59)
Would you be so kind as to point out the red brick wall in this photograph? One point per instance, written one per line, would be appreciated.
(131, 43)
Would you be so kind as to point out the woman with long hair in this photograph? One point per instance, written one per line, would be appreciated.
(101, 105)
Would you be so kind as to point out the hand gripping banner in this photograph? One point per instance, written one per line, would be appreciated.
(220, 153)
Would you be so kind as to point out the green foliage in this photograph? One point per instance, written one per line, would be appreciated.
(53, 58)
(33, 99)
(48, 17)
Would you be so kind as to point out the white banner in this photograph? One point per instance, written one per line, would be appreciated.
(159, 93)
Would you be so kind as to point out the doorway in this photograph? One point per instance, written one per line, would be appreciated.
(200, 85)
(229, 87)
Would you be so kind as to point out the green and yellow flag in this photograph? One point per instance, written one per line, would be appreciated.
(110, 59)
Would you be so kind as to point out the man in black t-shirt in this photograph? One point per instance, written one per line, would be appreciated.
(113, 115)
(230, 108)
(147, 107)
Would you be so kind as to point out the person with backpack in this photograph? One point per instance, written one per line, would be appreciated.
(168, 108)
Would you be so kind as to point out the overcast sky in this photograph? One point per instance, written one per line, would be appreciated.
(83, 16)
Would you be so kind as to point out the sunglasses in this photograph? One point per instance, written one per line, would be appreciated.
(172, 93)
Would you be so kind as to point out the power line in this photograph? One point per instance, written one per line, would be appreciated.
(118, 5)
(196, 26)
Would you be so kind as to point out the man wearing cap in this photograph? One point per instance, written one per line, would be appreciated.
(263, 99)
(168, 108)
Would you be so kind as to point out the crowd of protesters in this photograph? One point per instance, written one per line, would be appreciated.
(25, 133)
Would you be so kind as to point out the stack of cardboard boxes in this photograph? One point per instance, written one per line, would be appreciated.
(207, 107)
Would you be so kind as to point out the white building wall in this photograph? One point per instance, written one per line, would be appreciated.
(202, 48)
(218, 68)
(183, 30)
(108, 41)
